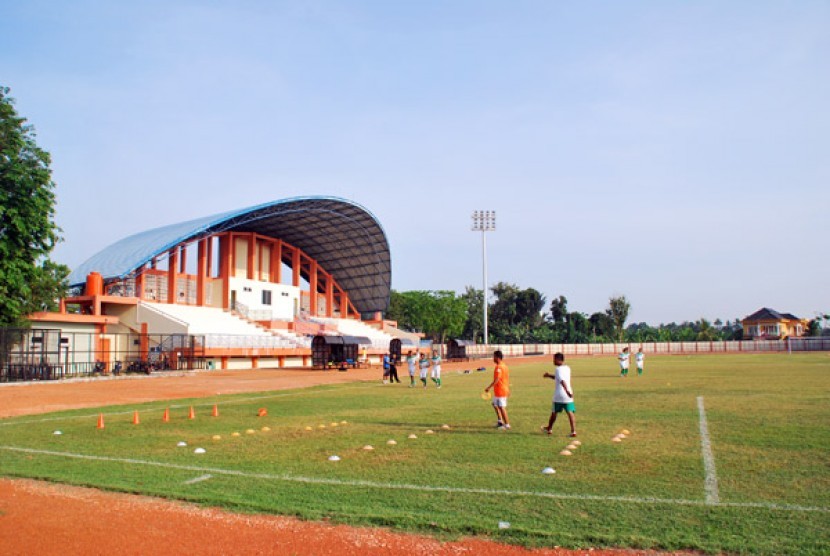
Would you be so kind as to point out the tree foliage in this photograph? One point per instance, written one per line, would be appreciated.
(618, 308)
(29, 281)
(516, 315)
(474, 325)
(438, 314)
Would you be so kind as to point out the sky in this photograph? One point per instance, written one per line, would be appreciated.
(676, 153)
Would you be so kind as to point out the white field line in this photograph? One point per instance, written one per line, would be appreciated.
(710, 484)
(12, 422)
(199, 479)
(420, 488)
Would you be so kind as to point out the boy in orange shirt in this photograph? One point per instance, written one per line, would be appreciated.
(501, 390)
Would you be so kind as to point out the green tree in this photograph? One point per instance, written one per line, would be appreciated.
(29, 281)
(618, 308)
(602, 327)
(438, 314)
(474, 325)
(705, 332)
(516, 314)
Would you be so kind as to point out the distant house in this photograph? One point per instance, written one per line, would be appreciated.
(768, 324)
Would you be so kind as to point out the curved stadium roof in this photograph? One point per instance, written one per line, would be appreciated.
(345, 238)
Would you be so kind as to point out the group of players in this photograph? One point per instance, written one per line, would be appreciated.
(563, 398)
(624, 358)
(429, 368)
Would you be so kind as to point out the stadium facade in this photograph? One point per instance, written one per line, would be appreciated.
(245, 288)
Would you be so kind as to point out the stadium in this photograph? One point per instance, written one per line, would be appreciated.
(246, 288)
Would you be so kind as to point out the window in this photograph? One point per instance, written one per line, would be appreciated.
(266, 297)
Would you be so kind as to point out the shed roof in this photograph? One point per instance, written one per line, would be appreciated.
(345, 238)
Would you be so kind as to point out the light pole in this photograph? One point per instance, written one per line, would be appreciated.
(484, 221)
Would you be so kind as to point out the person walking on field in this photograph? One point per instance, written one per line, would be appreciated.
(411, 362)
(623, 357)
(563, 396)
(501, 390)
(385, 368)
(424, 364)
(435, 374)
(393, 369)
(640, 358)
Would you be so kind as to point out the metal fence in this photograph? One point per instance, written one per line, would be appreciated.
(46, 354)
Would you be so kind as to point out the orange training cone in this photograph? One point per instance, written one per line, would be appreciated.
(192, 414)
(166, 416)
(215, 412)
(136, 420)
(100, 421)
(262, 412)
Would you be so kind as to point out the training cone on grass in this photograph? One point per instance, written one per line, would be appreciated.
(166, 417)
(136, 420)
(262, 412)
(100, 424)
(191, 414)
(215, 412)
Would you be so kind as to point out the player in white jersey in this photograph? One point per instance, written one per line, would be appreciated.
(435, 374)
(640, 358)
(423, 363)
(563, 394)
(411, 362)
(623, 357)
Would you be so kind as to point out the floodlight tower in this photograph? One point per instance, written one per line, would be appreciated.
(484, 221)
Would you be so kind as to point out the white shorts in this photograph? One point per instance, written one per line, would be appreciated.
(500, 402)
(436, 372)
(424, 373)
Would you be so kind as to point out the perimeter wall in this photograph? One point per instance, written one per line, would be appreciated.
(657, 348)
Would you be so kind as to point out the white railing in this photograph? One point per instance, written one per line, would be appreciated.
(242, 341)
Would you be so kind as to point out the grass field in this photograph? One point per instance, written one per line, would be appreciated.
(766, 489)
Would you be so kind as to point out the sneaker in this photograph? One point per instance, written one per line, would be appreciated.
(499, 425)
(546, 430)
(573, 435)
(506, 427)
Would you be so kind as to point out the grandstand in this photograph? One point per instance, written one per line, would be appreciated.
(251, 285)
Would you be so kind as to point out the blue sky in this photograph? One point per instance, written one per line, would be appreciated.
(673, 152)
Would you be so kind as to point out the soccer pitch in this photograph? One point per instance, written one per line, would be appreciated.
(726, 453)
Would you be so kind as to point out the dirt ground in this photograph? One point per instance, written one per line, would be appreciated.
(43, 518)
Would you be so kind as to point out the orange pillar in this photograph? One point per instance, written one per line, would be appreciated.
(251, 255)
(254, 362)
(225, 269)
(172, 274)
(329, 296)
(139, 283)
(209, 247)
(312, 282)
(344, 305)
(201, 272)
(295, 264)
(276, 262)
(144, 343)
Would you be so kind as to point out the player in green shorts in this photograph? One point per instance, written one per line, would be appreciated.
(563, 397)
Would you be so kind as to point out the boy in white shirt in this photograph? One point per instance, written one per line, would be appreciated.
(563, 396)
(624, 356)
(423, 363)
(640, 358)
(435, 374)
